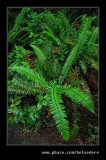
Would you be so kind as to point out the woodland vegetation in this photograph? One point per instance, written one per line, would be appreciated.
(53, 71)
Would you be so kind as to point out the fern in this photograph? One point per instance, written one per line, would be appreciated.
(50, 34)
(72, 57)
(93, 62)
(94, 35)
(83, 66)
(58, 110)
(39, 53)
(30, 86)
(18, 22)
(74, 132)
(95, 65)
(79, 97)
(92, 46)
(48, 77)
(30, 74)
(64, 26)
(41, 70)
(20, 90)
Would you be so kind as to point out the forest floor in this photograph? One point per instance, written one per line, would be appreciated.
(88, 132)
(49, 135)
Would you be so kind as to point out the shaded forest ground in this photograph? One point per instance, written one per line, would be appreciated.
(88, 133)
(48, 134)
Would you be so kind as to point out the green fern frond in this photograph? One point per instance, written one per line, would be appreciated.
(56, 68)
(76, 51)
(94, 35)
(39, 52)
(94, 63)
(17, 24)
(80, 97)
(92, 46)
(22, 31)
(58, 111)
(41, 70)
(64, 26)
(51, 35)
(84, 31)
(19, 19)
(68, 63)
(19, 90)
(83, 66)
(30, 74)
(74, 132)
(30, 86)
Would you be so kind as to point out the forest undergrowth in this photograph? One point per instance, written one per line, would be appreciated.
(53, 73)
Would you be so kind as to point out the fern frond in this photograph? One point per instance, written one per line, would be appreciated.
(80, 97)
(17, 24)
(30, 74)
(51, 35)
(83, 66)
(58, 111)
(94, 35)
(39, 52)
(94, 64)
(92, 46)
(74, 132)
(19, 90)
(23, 30)
(41, 70)
(68, 63)
(64, 26)
(30, 86)
(72, 57)
(84, 31)
(19, 19)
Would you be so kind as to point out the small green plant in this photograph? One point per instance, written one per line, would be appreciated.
(27, 116)
(12, 110)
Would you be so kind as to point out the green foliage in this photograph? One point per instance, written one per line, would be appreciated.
(49, 38)
(93, 136)
(77, 50)
(74, 132)
(83, 66)
(22, 87)
(40, 54)
(79, 97)
(18, 22)
(30, 74)
(28, 115)
(50, 34)
(64, 25)
(57, 108)
(54, 92)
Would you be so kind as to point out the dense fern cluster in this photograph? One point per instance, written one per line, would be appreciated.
(59, 55)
